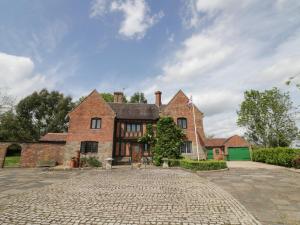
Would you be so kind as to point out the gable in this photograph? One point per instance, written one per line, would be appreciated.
(236, 141)
(179, 100)
(93, 104)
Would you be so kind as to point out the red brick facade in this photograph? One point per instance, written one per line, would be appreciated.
(178, 107)
(93, 106)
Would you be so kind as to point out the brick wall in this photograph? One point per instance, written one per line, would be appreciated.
(80, 127)
(3, 147)
(178, 107)
(32, 153)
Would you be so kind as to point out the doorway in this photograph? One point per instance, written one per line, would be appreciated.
(136, 152)
(13, 156)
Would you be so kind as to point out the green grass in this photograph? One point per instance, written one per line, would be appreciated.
(12, 161)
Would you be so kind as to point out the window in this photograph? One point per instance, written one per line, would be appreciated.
(182, 123)
(186, 147)
(89, 146)
(96, 123)
(133, 127)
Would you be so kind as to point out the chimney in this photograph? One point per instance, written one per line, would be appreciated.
(158, 98)
(118, 97)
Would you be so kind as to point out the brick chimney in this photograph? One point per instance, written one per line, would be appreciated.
(158, 98)
(118, 97)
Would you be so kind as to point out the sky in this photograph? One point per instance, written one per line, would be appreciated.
(213, 50)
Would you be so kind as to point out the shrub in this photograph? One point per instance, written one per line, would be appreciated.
(296, 162)
(174, 162)
(203, 165)
(276, 156)
(169, 139)
(90, 162)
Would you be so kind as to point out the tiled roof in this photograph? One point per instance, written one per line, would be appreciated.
(135, 111)
(215, 142)
(54, 137)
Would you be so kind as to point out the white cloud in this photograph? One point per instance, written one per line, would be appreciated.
(18, 76)
(136, 16)
(199, 54)
(98, 8)
(234, 46)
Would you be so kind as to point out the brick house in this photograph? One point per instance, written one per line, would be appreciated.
(102, 129)
(111, 130)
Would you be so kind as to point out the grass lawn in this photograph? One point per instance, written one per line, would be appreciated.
(12, 161)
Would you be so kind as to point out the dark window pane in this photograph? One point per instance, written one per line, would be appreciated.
(128, 127)
(186, 147)
(182, 123)
(88, 146)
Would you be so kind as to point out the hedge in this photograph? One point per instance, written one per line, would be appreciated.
(198, 165)
(276, 156)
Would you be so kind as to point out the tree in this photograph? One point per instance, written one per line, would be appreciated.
(11, 129)
(108, 97)
(138, 97)
(294, 80)
(169, 140)
(43, 112)
(267, 118)
(6, 102)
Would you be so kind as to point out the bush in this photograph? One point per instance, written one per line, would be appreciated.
(174, 162)
(90, 162)
(296, 162)
(276, 156)
(203, 165)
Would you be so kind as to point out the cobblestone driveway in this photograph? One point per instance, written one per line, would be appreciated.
(146, 196)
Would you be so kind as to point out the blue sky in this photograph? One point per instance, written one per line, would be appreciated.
(213, 50)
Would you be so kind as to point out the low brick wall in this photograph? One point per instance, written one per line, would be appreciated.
(32, 153)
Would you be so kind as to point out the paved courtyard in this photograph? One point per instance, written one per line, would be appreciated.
(124, 196)
(270, 193)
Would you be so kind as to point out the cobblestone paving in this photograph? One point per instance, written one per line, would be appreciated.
(146, 196)
(271, 194)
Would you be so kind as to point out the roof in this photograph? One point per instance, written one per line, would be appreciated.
(135, 111)
(54, 137)
(215, 142)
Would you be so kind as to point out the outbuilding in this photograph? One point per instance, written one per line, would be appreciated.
(234, 148)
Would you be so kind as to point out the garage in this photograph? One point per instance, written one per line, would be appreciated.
(238, 154)
(210, 153)
(234, 148)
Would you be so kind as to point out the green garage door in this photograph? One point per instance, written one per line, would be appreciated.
(210, 154)
(238, 154)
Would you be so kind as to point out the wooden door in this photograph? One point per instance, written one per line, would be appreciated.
(136, 152)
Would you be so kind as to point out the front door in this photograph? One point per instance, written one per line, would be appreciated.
(136, 152)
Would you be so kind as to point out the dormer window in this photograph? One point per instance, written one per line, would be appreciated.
(95, 123)
(182, 123)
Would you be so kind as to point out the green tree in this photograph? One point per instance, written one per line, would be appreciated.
(108, 97)
(138, 97)
(43, 112)
(169, 139)
(11, 129)
(267, 118)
